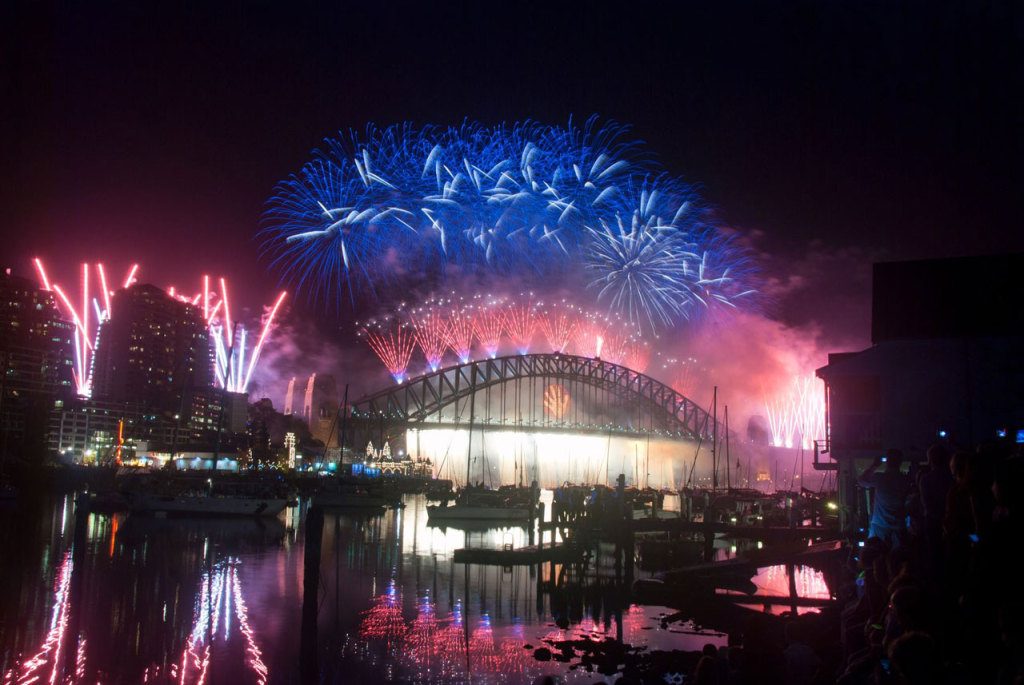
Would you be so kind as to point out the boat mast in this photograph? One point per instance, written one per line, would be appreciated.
(647, 464)
(728, 457)
(714, 441)
(341, 431)
(472, 408)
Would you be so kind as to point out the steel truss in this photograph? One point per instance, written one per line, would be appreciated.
(660, 410)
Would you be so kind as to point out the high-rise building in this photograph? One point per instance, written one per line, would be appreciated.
(36, 362)
(154, 350)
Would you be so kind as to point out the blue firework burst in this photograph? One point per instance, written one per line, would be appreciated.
(523, 199)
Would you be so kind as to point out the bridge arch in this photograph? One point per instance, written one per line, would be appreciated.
(608, 398)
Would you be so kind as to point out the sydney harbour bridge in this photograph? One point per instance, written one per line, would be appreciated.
(549, 417)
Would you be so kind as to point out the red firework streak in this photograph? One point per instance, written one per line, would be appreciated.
(430, 328)
(520, 324)
(638, 356)
(589, 337)
(685, 380)
(393, 343)
(460, 332)
(616, 344)
(488, 327)
(558, 326)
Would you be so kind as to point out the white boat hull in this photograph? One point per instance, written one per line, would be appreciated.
(202, 505)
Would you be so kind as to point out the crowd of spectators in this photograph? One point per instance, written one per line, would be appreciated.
(935, 598)
(932, 596)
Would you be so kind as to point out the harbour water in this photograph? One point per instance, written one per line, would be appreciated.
(118, 598)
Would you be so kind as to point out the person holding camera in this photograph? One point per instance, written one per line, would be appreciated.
(891, 486)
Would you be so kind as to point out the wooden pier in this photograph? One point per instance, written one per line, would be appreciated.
(510, 556)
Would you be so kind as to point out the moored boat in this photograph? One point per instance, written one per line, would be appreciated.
(206, 504)
(479, 504)
(194, 495)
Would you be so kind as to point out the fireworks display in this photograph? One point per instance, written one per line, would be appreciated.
(234, 361)
(797, 417)
(612, 257)
(460, 332)
(234, 358)
(393, 341)
(520, 325)
(558, 324)
(488, 326)
(556, 204)
(86, 328)
(556, 401)
(430, 327)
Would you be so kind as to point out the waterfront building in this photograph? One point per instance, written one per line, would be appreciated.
(207, 410)
(85, 430)
(383, 462)
(36, 362)
(945, 365)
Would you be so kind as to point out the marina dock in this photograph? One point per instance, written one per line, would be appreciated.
(509, 556)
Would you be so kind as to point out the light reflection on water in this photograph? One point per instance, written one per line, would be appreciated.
(220, 601)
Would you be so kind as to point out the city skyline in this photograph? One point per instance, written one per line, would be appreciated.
(825, 139)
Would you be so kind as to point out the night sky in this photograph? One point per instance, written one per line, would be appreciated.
(831, 133)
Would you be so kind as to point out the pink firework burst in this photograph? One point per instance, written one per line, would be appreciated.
(520, 324)
(796, 416)
(234, 360)
(489, 325)
(393, 342)
(638, 356)
(460, 331)
(430, 328)
(616, 345)
(558, 324)
(589, 336)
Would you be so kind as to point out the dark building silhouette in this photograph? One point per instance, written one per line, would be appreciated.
(945, 363)
(320, 401)
(320, 405)
(154, 350)
(36, 362)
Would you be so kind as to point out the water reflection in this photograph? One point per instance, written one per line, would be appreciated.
(121, 599)
(35, 667)
(132, 600)
(220, 598)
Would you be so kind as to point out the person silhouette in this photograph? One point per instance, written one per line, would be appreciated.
(891, 486)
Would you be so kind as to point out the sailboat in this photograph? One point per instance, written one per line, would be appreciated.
(509, 503)
(477, 503)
